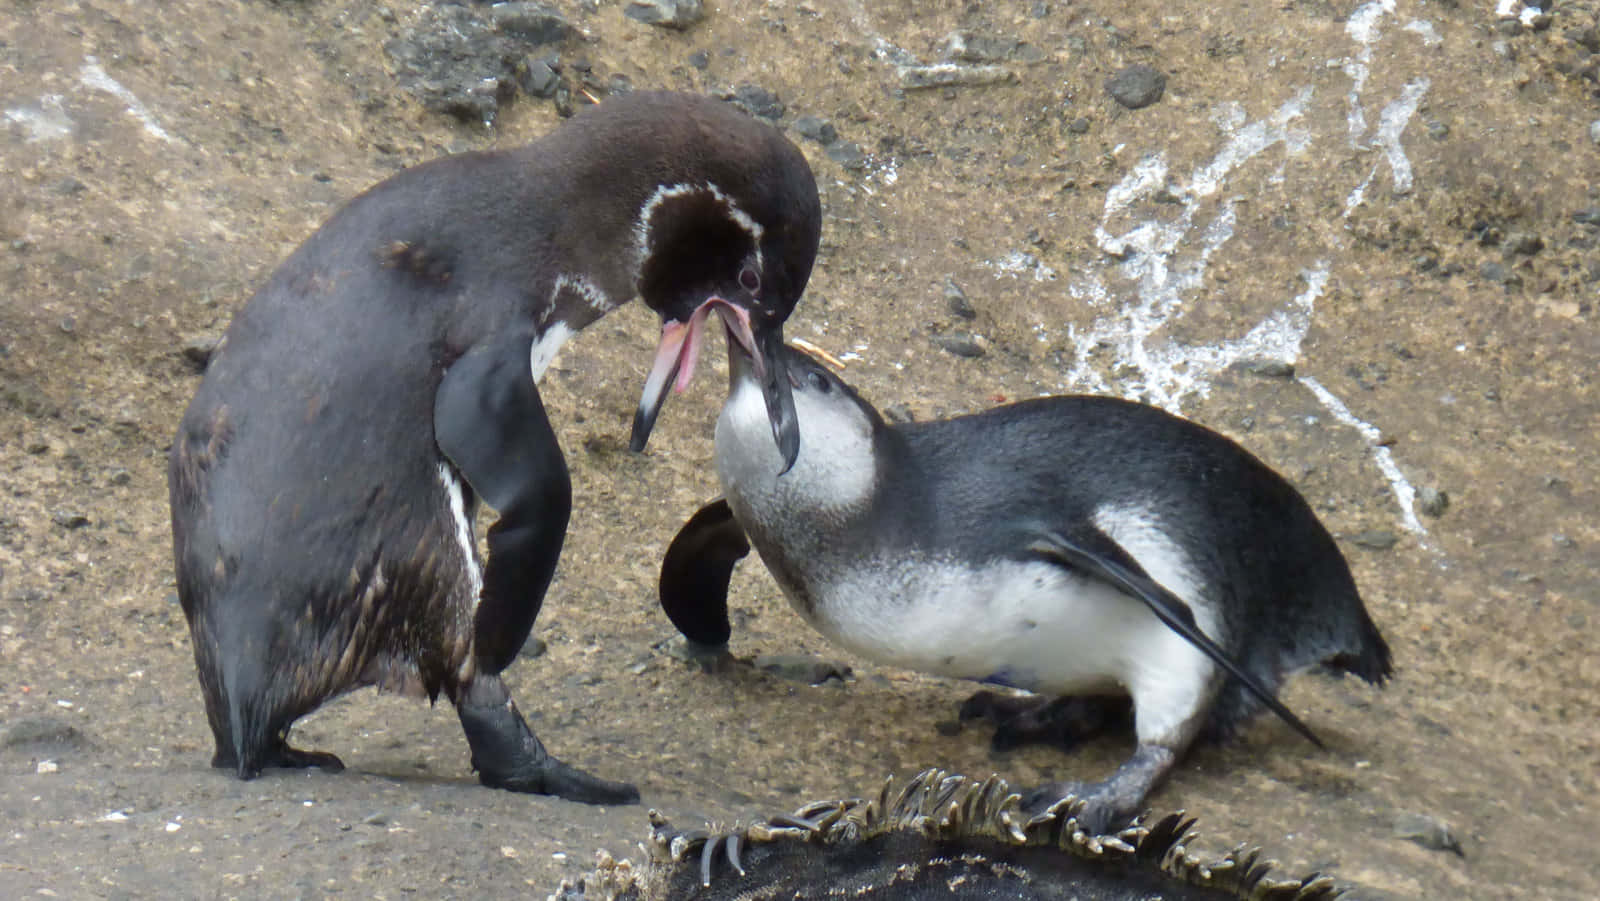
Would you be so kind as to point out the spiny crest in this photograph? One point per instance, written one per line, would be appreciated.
(950, 808)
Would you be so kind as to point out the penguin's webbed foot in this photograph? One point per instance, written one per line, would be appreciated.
(1063, 722)
(550, 776)
(1111, 804)
(294, 758)
(280, 755)
(507, 754)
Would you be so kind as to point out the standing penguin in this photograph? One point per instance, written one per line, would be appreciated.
(324, 478)
(1090, 549)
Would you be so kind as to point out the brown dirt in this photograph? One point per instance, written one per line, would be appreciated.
(118, 244)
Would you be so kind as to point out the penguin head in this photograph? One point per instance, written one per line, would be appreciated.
(739, 238)
(837, 465)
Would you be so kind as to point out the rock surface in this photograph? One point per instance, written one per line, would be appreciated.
(1287, 199)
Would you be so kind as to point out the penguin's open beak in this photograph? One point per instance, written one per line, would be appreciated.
(679, 350)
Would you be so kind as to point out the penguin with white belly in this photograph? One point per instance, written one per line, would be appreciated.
(1091, 550)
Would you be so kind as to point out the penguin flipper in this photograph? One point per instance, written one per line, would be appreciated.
(490, 423)
(695, 573)
(1093, 553)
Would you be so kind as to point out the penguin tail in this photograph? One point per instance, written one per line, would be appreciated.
(1370, 659)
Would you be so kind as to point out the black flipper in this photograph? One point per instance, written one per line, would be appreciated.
(1110, 563)
(696, 571)
(489, 422)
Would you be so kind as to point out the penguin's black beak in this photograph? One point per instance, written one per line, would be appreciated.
(679, 350)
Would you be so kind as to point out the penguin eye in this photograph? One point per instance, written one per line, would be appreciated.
(818, 381)
(750, 280)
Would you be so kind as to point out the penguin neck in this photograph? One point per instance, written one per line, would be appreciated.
(834, 480)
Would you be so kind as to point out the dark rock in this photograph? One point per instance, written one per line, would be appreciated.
(533, 648)
(1429, 832)
(1375, 539)
(758, 101)
(539, 79)
(534, 23)
(1137, 86)
(1438, 130)
(619, 84)
(456, 64)
(677, 14)
(819, 130)
(1432, 501)
(800, 668)
(961, 345)
(1493, 272)
(1079, 126)
(956, 299)
(948, 728)
(700, 59)
(1589, 216)
(847, 154)
(120, 476)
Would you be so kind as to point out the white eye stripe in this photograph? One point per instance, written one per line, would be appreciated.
(641, 226)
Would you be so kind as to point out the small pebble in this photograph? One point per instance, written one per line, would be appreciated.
(1079, 126)
(1524, 243)
(801, 668)
(67, 519)
(899, 413)
(1594, 131)
(675, 14)
(949, 75)
(957, 301)
(815, 129)
(46, 767)
(1137, 86)
(1376, 539)
(197, 351)
(1272, 369)
(700, 59)
(961, 345)
(758, 101)
(1432, 501)
(1429, 832)
(540, 79)
(847, 154)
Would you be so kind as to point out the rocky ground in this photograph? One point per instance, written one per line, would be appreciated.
(1358, 237)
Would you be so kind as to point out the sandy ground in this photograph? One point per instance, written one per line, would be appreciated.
(1397, 198)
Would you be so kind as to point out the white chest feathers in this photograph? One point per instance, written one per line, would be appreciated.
(835, 472)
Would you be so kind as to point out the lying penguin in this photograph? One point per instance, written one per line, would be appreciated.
(941, 836)
(1092, 550)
